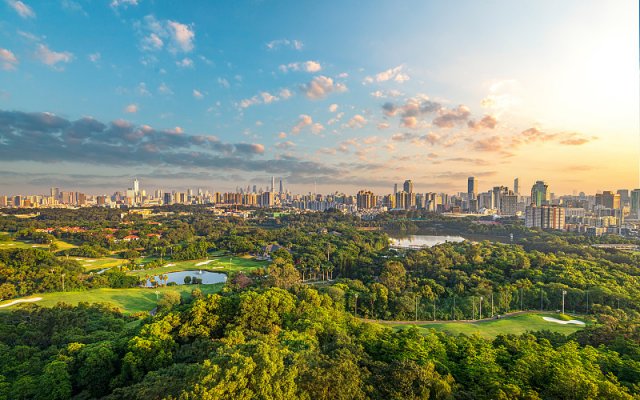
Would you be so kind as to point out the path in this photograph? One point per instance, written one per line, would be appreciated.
(31, 300)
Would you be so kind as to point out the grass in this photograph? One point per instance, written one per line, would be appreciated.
(491, 328)
(7, 242)
(219, 264)
(128, 300)
(95, 264)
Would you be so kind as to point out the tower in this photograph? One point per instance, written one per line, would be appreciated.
(281, 187)
(136, 187)
(273, 183)
(516, 186)
(408, 186)
(472, 188)
(540, 194)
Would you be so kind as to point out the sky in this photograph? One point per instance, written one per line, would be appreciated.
(337, 95)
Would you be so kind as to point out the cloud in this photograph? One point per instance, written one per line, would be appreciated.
(303, 121)
(449, 118)
(317, 128)
(164, 89)
(292, 44)
(185, 63)
(288, 145)
(321, 86)
(395, 74)
(265, 98)
(357, 121)
(489, 144)
(123, 3)
(386, 93)
(383, 125)
(22, 9)
(8, 60)
(94, 57)
(197, 94)
(52, 58)
(224, 83)
(131, 109)
(282, 135)
(156, 34)
(566, 138)
(487, 122)
(333, 108)
(48, 138)
(306, 66)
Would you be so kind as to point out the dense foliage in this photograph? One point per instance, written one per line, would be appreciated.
(272, 344)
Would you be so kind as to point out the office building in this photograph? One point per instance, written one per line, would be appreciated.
(545, 217)
(408, 186)
(540, 194)
(635, 203)
(608, 199)
(516, 186)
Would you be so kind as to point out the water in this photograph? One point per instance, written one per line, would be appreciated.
(414, 241)
(207, 277)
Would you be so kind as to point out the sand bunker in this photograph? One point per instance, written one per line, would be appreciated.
(31, 300)
(559, 321)
(169, 265)
(204, 263)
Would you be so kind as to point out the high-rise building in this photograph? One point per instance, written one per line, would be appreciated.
(608, 199)
(273, 183)
(55, 192)
(136, 187)
(545, 217)
(472, 188)
(624, 197)
(168, 198)
(281, 187)
(635, 203)
(509, 204)
(365, 200)
(540, 194)
(395, 189)
(516, 186)
(408, 186)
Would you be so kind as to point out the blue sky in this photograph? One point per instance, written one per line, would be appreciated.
(347, 94)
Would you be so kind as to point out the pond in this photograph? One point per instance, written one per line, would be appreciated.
(416, 241)
(207, 277)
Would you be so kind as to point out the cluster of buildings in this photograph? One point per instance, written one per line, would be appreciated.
(604, 212)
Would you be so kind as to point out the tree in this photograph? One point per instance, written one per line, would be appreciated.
(169, 300)
(55, 382)
(393, 276)
(283, 274)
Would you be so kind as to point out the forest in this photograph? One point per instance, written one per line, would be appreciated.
(296, 328)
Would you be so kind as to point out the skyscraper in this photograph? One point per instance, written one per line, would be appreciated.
(472, 188)
(365, 200)
(395, 188)
(273, 183)
(635, 203)
(516, 186)
(408, 186)
(540, 194)
(281, 187)
(136, 187)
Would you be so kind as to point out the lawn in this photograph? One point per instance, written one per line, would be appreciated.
(6, 242)
(215, 264)
(96, 264)
(128, 300)
(491, 328)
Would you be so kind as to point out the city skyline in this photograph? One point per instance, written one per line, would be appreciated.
(211, 95)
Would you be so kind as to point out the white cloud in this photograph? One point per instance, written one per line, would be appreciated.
(265, 98)
(383, 125)
(52, 58)
(282, 135)
(293, 44)
(357, 121)
(285, 94)
(94, 57)
(164, 89)
(306, 66)
(224, 83)
(22, 9)
(142, 90)
(321, 86)
(394, 74)
(8, 60)
(131, 109)
(317, 128)
(182, 35)
(157, 32)
(286, 145)
(333, 108)
(185, 63)
(304, 120)
(197, 94)
(125, 3)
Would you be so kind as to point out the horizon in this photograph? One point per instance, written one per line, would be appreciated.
(225, 95)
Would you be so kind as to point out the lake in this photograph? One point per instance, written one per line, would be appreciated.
(207, 277)
(415, 241)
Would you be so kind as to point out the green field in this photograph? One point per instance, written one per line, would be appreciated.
(128, 300)
(491, 328)
(96, 264)
(216, 264)
(7, 242)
